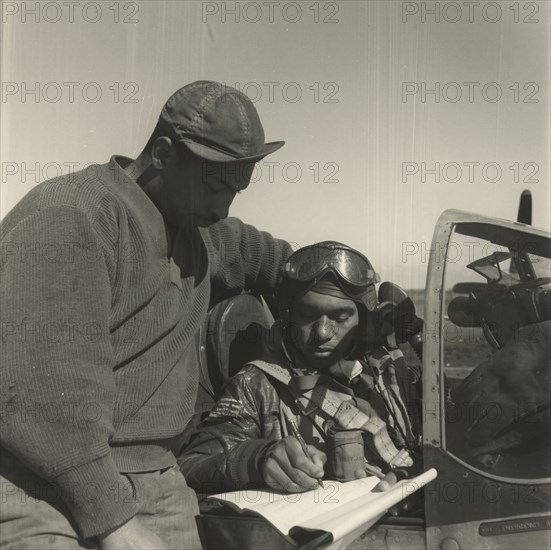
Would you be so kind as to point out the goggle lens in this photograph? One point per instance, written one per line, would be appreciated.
(308, 263)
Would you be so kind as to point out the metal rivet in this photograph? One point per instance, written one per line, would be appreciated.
(449, 544)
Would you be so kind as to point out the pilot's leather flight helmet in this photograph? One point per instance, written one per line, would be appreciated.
(330, 265)
(502, 310)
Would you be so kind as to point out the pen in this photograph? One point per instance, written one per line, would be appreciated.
(297, 435)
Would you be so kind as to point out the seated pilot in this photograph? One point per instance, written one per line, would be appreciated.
(499, 415)
(323, 400)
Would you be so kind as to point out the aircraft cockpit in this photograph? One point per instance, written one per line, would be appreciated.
(487, 382)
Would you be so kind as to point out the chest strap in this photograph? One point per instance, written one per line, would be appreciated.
(342, 408)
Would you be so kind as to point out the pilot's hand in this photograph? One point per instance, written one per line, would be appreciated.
(386, 483)
(408, 506)
(131, 536)
(286, 467)
(404, 506)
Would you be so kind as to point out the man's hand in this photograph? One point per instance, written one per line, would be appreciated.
(285, 466)
(402, 507)
(131, 536)
(386, 483)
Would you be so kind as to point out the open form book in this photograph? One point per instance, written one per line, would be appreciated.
(339, 509)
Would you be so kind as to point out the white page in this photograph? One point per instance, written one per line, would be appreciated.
(366, 509)
(285, 510)
(338, 508)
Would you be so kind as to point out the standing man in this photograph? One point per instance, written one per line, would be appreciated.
(106, 276)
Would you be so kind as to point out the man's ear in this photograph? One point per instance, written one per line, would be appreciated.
(160, 152)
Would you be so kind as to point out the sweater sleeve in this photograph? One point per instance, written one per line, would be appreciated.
(243, 258)
(224, 450)
(57, 386)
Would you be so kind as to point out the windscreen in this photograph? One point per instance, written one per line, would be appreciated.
(496, 365)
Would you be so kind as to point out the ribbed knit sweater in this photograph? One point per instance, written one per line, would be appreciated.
(98, 366)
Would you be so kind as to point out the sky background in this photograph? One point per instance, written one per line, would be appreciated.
(328, 78)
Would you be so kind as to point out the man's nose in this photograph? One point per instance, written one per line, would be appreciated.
(325, 329)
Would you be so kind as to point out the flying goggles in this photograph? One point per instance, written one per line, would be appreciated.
(312, 262)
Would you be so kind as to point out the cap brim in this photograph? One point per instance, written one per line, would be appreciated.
(214, 155)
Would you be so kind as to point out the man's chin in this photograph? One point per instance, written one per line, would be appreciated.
(199, 221)
(321, 360)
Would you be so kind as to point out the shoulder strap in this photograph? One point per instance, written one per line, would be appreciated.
(273, 370)
(342, 408)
